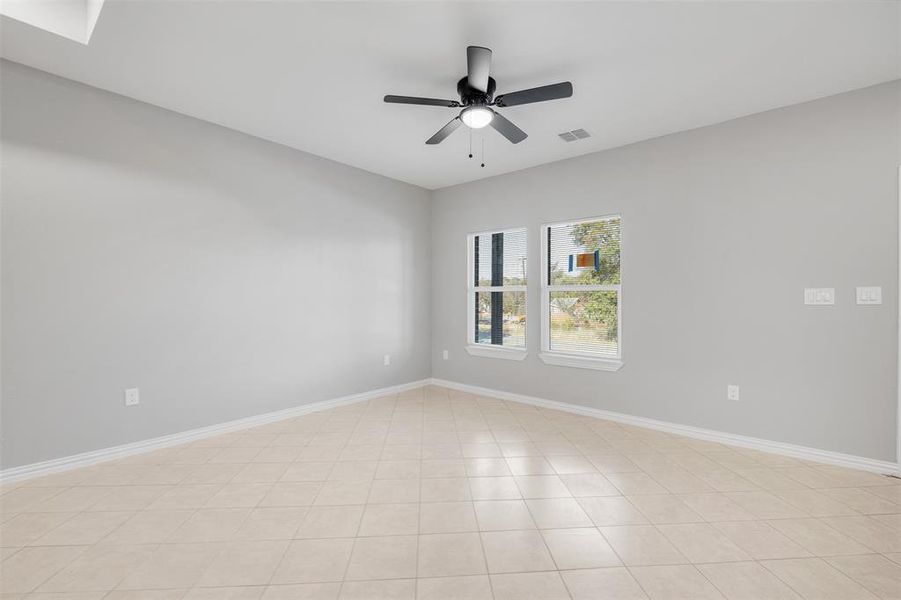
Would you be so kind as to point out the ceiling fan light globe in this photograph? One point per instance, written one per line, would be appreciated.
(476, 117)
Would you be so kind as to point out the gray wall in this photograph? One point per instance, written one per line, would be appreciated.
(723, 227)
(226, 276)
(223, 275)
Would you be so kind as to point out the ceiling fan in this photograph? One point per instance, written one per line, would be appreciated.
(477, 98)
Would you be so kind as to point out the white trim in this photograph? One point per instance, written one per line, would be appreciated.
(496, 352)
(584, 288)
(106, 454)
(498, 288)
(472, 289)
(584, 220)
(898, 300)
(580, 361)
(498, 230)
(710, 435)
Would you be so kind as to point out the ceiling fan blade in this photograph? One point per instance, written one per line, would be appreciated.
(424, 101)
(478, 66)
(444, 131)
(539, 94)
(508, 129)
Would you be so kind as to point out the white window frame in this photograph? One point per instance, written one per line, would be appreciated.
(580, 360)
(486, 350)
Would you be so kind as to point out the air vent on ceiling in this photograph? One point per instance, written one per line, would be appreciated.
(575, 134)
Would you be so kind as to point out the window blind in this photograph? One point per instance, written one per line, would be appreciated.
(498, 292)
(582, 287)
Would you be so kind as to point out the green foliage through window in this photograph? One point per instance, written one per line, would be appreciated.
(584, 322)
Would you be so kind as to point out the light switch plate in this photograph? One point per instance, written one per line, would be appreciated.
(819, 296)
(869, 295)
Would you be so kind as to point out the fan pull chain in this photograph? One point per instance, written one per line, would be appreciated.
(470, 142)
(483, 152)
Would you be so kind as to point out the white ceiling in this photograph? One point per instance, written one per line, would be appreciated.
(312, 75)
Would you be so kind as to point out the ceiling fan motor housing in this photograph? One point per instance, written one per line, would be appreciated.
(470, 96)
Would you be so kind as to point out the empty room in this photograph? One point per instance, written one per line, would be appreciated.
(427, 300)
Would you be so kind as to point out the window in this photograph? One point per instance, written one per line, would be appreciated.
(497, 294)
(581, 295)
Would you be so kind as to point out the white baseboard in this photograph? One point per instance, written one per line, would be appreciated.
(106, 454)
(743, 441)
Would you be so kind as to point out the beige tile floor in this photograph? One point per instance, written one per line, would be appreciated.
(435, 494)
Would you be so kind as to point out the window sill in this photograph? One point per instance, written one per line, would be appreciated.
(495, 352)
(581, 362)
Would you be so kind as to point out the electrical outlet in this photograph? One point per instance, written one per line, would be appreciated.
(387, 359)
(732, 392)
(132, 397)
(444, 355)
